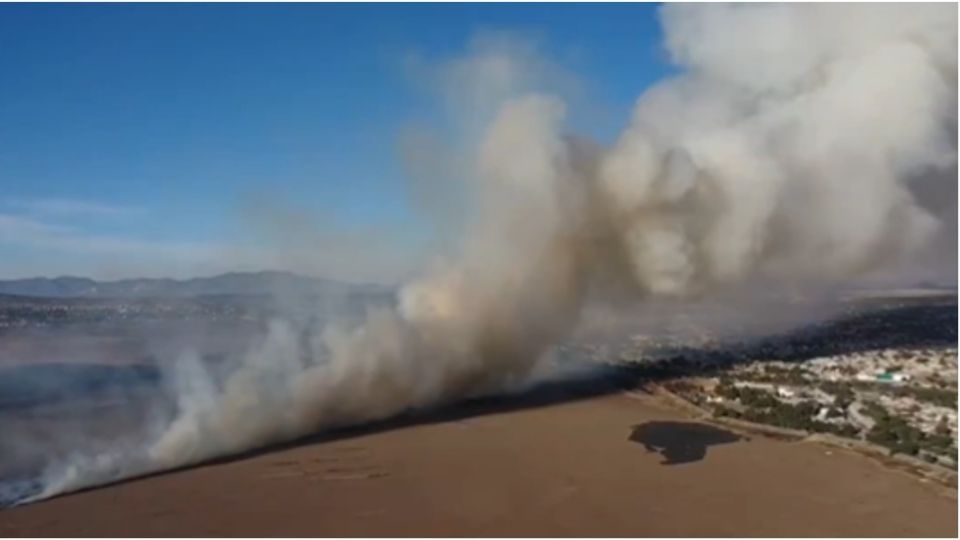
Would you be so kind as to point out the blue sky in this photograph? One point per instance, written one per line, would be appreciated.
(134, 139)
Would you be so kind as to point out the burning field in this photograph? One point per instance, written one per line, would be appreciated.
(516, 469)
(589, 453)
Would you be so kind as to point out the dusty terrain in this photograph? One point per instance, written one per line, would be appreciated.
(579, 468)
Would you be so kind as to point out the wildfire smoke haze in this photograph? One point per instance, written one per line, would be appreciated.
(793, 147)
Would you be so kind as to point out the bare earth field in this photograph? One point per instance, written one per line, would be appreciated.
(572, 469)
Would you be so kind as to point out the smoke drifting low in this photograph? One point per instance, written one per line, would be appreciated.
(788, 150)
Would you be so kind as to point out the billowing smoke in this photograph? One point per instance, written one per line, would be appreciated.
(788, 150)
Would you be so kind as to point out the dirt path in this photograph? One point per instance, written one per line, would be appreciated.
(565, 470)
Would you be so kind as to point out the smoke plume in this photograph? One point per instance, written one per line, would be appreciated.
(788, 150)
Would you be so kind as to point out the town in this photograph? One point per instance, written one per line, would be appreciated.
(904, 400)
(883, 372)
(18, 312)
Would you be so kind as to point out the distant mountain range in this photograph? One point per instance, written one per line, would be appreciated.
(235, 283)
(255, 283)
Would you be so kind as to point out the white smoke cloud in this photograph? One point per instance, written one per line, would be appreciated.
(784, 151)
(787, 144)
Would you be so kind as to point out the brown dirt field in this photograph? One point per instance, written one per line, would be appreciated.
(563, 470)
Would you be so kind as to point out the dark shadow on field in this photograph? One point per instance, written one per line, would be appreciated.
(894, 324)
(680, 442)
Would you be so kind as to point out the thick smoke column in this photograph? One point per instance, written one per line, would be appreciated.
(785, 151)
(789, 145)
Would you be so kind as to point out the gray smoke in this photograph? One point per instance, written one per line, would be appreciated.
(787, 151)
